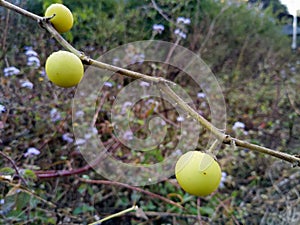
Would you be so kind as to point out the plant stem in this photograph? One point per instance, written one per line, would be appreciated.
(115, 215)
(14, 166)
(187, 108)
(20, 10)
(125, 72)
(281, 155)
(163, 84)
(27, 191)
(141, 190)
(213, 147)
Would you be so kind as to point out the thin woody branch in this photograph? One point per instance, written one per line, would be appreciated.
(163, 84)
(141, 190)
(20, 10)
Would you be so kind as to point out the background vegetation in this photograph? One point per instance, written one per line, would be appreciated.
(251, 58)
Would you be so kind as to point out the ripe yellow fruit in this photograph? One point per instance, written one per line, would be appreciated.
(63, 19)
(64, 69)
(198, 173)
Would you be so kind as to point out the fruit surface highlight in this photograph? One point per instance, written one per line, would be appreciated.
(63, 19)
(198, 173)
(64, 69)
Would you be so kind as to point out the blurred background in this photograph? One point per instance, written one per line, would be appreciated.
(247, 45)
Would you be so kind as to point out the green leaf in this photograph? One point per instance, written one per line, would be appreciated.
(140, 122)
(7, 171)
(29, 174)
(82, 188)
(206, 211)
(51, 220)
(22, 200)
(83, 209)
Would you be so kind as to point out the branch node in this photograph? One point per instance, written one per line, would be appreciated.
(227, 139)
(43, 20)
(297, 163)
(84, 58)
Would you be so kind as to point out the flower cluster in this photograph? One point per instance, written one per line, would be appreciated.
(239, 127)
(144, 84)
(108, 84)
(31, 152)
(180, 119)
(81, 141)
(55, 115)
(133, 55)
(183, 20)
(223, 180)
(128, 135)
(179, 32)
(2, 109)
(26, 84)
(201, 95)
(11, 71)
(32, 57)
(32, 61)
(67, 137)
(158, 28)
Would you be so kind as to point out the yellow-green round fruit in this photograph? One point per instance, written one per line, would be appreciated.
(63, 19)
(198, 173)
(64, 69)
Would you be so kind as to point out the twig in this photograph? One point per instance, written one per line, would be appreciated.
(126, 72)
(27, 191)
(61, 173)
(20, 10)
(14, 166)
(213, 147)
(4, 35)
(115, 215)
(192, 112)
(172, 50)
(198, 211)
(210, 30)
(159, 10)
(169, 214)
(163, 84)
(292, 101)
(48, 26)
(281, 155)
(65, 173)
(115, 183)
(227, 210)
(99, 108)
